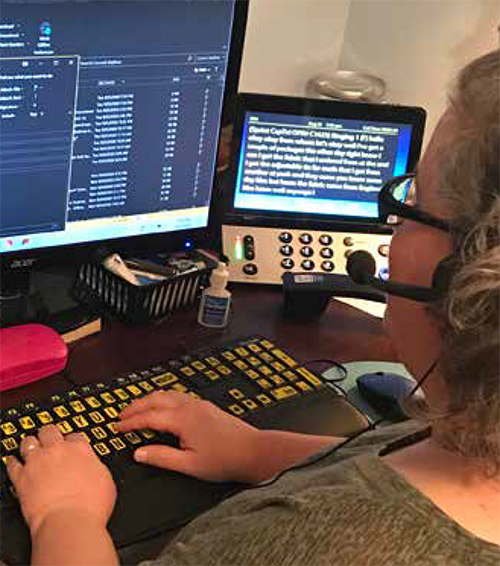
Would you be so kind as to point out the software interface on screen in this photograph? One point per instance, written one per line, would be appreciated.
(109, 117)
(315, 165)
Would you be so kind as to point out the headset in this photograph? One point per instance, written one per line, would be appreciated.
(361, 268)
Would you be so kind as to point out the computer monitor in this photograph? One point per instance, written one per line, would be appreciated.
(109, 122)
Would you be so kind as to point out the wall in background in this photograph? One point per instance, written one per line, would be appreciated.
(415, 45)
(418, 46)
(289, 41)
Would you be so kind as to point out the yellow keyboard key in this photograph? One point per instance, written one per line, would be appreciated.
(10, 444)
(147, 387)
(303, 386)
(200, 366)
(118, 443)
(98, 432)
(277, 380)
(265, 370)
(136, 392)
(290, 375)
(93, 402)
(284, 357)
(133, 438)
(121, 394)
(122, 406)
(61, 411)
(283, 392)
(44, 417)
(267, 344)
(80, 421)
(111, 412)
(264, 384)
(187, 371)
(96, 417)
(249, 404)
(112, 428)
(240, 364)
(108, 398)
(252, 374)
(77, 406)
(242, 352)
(65, 427)
(179, 387)
(236, 410)
(8, 428)
(214, 362)
(224, 370)
(164, 379)
(278, 366)
(266, 356)
(264, 399)
(27, 423)
(101, 449)
(212, 375)
(310, 377)
(255, 348)
(148, 434)
(229, 356)
(253, 361)
(236, 394)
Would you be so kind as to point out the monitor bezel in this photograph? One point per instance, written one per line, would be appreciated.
(315, 108)
(164, 242)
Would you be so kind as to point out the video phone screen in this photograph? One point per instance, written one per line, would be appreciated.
(319, 166)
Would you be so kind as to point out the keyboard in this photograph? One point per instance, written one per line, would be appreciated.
(251, 378)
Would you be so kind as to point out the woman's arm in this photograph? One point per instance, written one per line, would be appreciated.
(214, 445)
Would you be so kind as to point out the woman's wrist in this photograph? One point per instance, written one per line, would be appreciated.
(277, 450)
(65, 518)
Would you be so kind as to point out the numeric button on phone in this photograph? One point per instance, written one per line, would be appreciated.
(305, 239)
(249, 253)
(285, 237)
(307, 251)
(325, 240)
(307, 265)
(326, 253)
(287, 263)
(286, 250)
(250, 269)
(327, 266)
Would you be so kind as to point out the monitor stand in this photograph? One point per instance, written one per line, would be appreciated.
(42, 296)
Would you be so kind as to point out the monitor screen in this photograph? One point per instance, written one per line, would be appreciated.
(317, 161)
(109, 118)
(318, 165)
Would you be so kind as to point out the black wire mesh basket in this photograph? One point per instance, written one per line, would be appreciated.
(102, 290)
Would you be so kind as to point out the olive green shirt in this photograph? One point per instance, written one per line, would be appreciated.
(349, 509)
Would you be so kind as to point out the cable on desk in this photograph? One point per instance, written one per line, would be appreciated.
(331, 382)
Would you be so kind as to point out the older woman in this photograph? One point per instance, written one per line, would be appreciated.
(419, 493)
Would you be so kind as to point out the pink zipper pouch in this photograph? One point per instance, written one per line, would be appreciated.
(30, 352)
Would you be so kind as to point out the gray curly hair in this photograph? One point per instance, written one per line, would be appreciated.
(470, 314)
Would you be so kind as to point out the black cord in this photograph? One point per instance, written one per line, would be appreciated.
(342, 444)
(333, 364)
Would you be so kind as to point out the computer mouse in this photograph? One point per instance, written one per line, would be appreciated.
(384, 390)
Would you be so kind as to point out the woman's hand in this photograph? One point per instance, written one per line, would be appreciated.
(61, 476)
(214, 445)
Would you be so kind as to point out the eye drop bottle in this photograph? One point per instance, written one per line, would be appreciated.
(216, 300)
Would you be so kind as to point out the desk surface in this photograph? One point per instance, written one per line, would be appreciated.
(343, 333)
